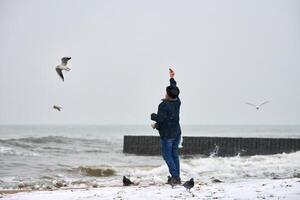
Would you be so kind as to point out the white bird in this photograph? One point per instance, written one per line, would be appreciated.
(257, 106)
(63, 66)
(57, 107)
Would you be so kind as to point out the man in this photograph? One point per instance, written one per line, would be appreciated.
(167, 123)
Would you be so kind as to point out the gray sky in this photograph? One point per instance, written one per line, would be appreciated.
(224, 53)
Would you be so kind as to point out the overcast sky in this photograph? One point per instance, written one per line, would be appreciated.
(224, 53)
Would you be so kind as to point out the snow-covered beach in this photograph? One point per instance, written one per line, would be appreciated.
(245, 189)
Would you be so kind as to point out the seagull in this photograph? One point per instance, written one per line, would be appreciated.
(257, 106)
(189, 184)
(57, 107)
(126, 181)
(63, 66)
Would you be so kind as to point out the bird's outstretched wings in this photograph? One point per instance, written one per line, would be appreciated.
(250, 104)
(57, 107)
(64, 60)
(59, 72)
(264, 103)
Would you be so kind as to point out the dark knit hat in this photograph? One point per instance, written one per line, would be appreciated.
(172, 91)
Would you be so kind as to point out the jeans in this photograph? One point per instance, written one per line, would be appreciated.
(169, 148)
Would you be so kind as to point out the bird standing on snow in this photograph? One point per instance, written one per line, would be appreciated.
(169, 180)
(63, 66)
(189, 184)
(126, 181)
(57, 107)
(257, 106)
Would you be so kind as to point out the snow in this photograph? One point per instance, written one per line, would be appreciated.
(242, 189)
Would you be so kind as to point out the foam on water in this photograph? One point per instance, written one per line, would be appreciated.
(10, 151)
(228, 168)
(201, 169)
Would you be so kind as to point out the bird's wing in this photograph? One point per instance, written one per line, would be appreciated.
(186, 183)
(64, 60)
(59, 72)
(250, 104)
(264, 103)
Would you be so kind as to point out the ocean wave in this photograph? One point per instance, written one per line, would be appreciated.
(226, 168)
(95, 151)
(30, 141)
(205, 170)
(27, 141)
(97, 171)
(59, 144)
(47, 139)
(17, 144)
(9, 151)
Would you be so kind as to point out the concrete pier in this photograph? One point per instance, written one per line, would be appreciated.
(220, 146)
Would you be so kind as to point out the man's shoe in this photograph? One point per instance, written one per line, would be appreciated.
(175, 181)
(178, 180)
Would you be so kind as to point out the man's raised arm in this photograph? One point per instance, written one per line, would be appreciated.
(172, 80)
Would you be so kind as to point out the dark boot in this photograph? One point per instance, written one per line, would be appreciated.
(178, 180)
(175, 181)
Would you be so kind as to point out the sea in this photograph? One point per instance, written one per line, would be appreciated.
(82, 156)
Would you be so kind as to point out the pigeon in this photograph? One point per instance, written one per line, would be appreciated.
(127, 182)
(257, 106)
(63, 66)
(57, 107)
(169, 180)
(215, 180)
(189, 184)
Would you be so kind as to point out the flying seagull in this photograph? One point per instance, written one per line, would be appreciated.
(57, 107)
(63, 66)
(189, 184)
(127, 182)
(257, 106)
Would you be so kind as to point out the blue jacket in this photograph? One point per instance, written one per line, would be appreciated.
(167, 116)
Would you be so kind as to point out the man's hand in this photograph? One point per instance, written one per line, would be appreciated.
(154, 125)
(172, 73)
(153, 116)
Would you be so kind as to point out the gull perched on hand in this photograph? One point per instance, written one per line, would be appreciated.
(63, 66)
(257, 106)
